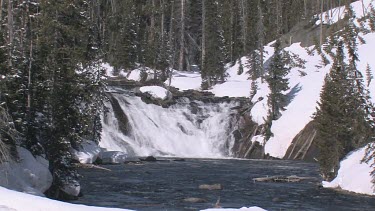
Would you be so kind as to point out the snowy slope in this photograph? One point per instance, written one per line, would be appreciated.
(339, 13)
(354, 175)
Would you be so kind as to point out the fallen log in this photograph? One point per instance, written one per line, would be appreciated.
(92, 166)
(292, 178)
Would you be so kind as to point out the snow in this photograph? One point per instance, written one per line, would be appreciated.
(240, 209)
(88, 153)
(354, 175)
(305, 92)
(30, 174)
(186, 80)
(155, 91)
(17, 201)
(339, 13)
(113, 157)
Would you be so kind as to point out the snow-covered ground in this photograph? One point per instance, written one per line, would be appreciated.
(155, 91)
(29, 174)
(17, 201)
(353, 174)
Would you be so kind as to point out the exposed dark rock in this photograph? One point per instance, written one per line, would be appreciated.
(123, 121)
(243, 146)
(308, 33)
(149, 159)
(303, 147)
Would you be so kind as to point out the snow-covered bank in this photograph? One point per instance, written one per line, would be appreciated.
(88, 152)
(240, 209)
(29, 174)
(16, 201)
(353, 175)
(155, 91)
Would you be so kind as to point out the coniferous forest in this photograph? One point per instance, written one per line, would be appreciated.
(52, 85)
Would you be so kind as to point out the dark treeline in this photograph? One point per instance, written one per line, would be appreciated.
(186, 34)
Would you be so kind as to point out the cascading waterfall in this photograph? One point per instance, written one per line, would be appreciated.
(186, 129)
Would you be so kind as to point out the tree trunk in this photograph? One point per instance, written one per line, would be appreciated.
(162, 21)
(1, 9)
(182, 37)
(363, 8)
(203, 34)
(231, 56)
(321, 22)
(10, 31)
(244, 25)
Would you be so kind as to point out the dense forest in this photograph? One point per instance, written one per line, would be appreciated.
(53, 87)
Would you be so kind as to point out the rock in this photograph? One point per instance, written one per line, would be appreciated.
(30, 174)
(211, 187)
(71, 190)
(277, 199)
(149, 159)
(195, 200)
(179, 160)
(113, 157)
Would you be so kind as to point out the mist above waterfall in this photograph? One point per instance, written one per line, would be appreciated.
(186, 129)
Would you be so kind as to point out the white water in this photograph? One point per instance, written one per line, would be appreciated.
(174, 131)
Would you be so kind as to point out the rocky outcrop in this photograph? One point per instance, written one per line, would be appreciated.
(302, 147)
(307, 32)
(123, 121)
(244, 147)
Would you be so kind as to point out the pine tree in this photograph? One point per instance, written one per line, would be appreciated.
(63, 55)
(330, 116)
(344, 115)
(277, 82)
(369, 75)
(213, 65)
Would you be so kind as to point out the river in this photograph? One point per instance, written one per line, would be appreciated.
(164, 185)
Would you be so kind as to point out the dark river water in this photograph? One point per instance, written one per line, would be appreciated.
(164, 185)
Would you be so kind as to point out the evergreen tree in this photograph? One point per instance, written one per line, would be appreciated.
(369, 75)
(64, 50)
(277, 82)
(344, 115)
(213, 65)
(330, 116)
